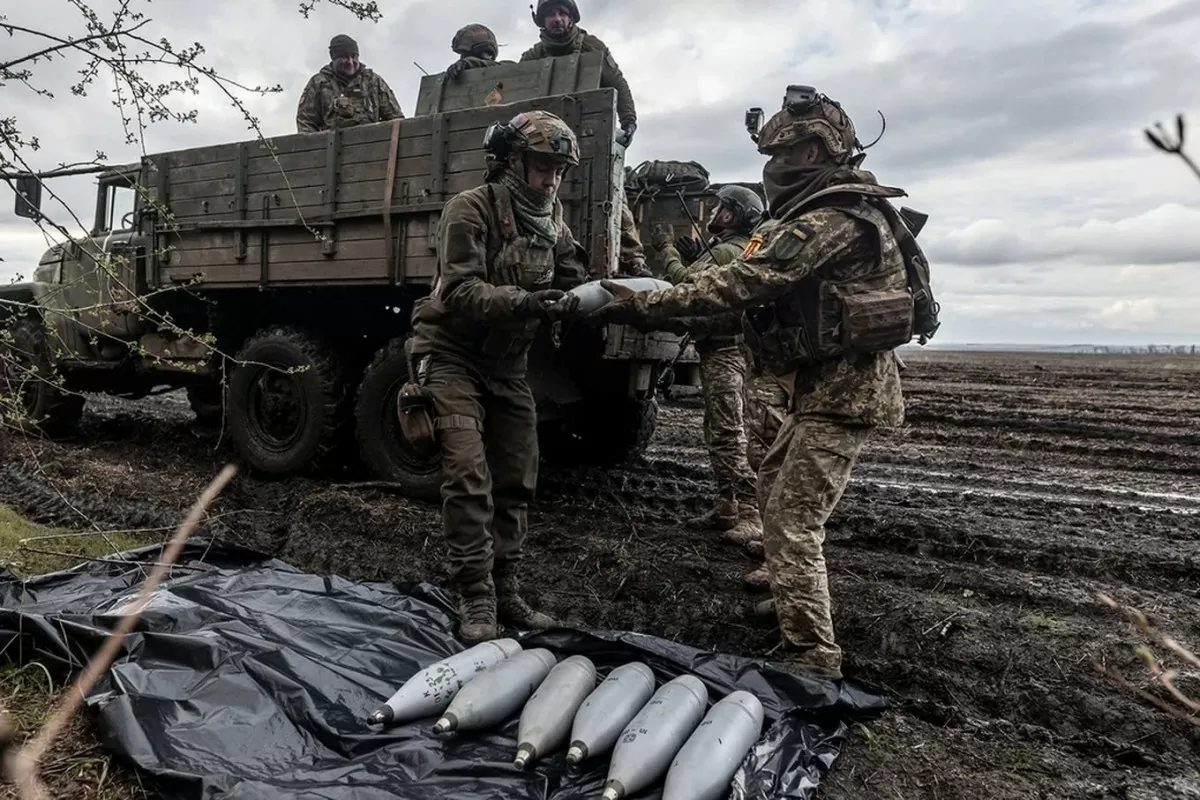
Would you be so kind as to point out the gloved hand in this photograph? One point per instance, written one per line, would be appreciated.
(625, 137)
(635, 269)
(455, 69)
(563, 308)
(619, 311)
(661, 236)
(534, 304)
(689, 248)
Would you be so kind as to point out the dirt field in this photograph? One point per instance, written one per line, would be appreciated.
(964, 559)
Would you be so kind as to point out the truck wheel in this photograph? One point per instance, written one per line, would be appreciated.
(287, 423)
(29, 394)
(603, 434)
(381, 443)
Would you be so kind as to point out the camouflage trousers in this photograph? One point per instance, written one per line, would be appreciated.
(488, 434)
(766, 406)
(722, 379)
(800, 483)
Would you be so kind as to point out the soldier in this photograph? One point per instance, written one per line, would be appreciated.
(722, 365)
(562, 36)
(825, 301)
(505, 255)
(476, 46)
(345, 92)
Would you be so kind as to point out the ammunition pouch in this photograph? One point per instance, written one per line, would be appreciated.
(870, 321)
(416, 415)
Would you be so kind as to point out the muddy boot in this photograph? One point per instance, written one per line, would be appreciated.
(722, 516)
(513, 610)
(798, 664)
(759, 579)
(748, 530)
(477, 612)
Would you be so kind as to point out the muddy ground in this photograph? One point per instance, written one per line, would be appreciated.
(964, 559)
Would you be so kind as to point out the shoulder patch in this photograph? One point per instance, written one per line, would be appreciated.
(794, 238)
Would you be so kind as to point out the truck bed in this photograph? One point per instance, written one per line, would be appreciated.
(357, 206)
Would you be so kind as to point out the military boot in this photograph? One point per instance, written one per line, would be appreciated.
(749, 528)
(758, 579)
(513, 610)
(477, 611)
(721, 517)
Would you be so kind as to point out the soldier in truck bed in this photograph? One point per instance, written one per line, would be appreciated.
(476, 46)
(505, 257)
(562, 36)
(345, 92)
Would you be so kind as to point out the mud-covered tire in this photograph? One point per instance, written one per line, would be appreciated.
(207, 402)
(601, 434)
(381, 444)
(29, 382)
(321, 392)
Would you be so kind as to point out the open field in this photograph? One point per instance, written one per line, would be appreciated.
(964, 559)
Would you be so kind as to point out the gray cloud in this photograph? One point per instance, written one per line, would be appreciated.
(1017, 126)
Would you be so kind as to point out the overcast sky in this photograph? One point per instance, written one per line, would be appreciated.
(1017, 126)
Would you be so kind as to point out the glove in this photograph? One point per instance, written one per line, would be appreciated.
(661, 236)
(455, 69)
(626, 135)
(534, 304)
(620, 311)
(688, 248)
(563, 308)
(636, 269)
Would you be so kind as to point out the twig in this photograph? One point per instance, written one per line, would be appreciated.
(22, 766)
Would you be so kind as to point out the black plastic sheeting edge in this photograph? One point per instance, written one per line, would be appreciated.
(248, 678)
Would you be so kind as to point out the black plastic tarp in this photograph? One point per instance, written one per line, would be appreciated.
(248, 678)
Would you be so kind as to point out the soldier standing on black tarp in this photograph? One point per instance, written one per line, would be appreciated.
(505, 257)
(722, 364)
(562, 36)
(830, 273)
(344, 93)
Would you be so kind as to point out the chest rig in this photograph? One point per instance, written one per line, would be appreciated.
(856, 304)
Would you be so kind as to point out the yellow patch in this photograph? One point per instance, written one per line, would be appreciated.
(494, 97)
(753, 246)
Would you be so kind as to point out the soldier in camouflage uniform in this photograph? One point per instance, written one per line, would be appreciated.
(505, 257)
(345, 93)
(825, 302)
(722, 365)
(476, 47)
(562, 36)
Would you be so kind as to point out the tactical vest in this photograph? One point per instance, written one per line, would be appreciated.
(511, 261)
(827, 315)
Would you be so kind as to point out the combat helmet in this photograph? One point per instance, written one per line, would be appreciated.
(472, 36)
(539, 15)
(535, 132)
(746, 205)
(807, 114)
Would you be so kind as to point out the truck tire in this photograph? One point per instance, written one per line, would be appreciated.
(381, 444)
(310, 441)
(207, 402)
(602, 434)
(30, 383)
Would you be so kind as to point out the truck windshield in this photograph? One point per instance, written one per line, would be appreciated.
(120, 202)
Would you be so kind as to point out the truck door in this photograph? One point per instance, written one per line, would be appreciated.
(100, 276)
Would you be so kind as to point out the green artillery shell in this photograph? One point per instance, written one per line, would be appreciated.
(648, 744)
(497, 693)
(711, 756)
(608, 710)
(547, 717)
(431, 690)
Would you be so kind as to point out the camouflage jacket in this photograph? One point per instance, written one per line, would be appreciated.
(708, 332)
(332, 101)
(485, 269)
(808, 243)
(610, 74)
(475, 62)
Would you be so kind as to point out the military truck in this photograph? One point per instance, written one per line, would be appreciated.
(274, 279)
